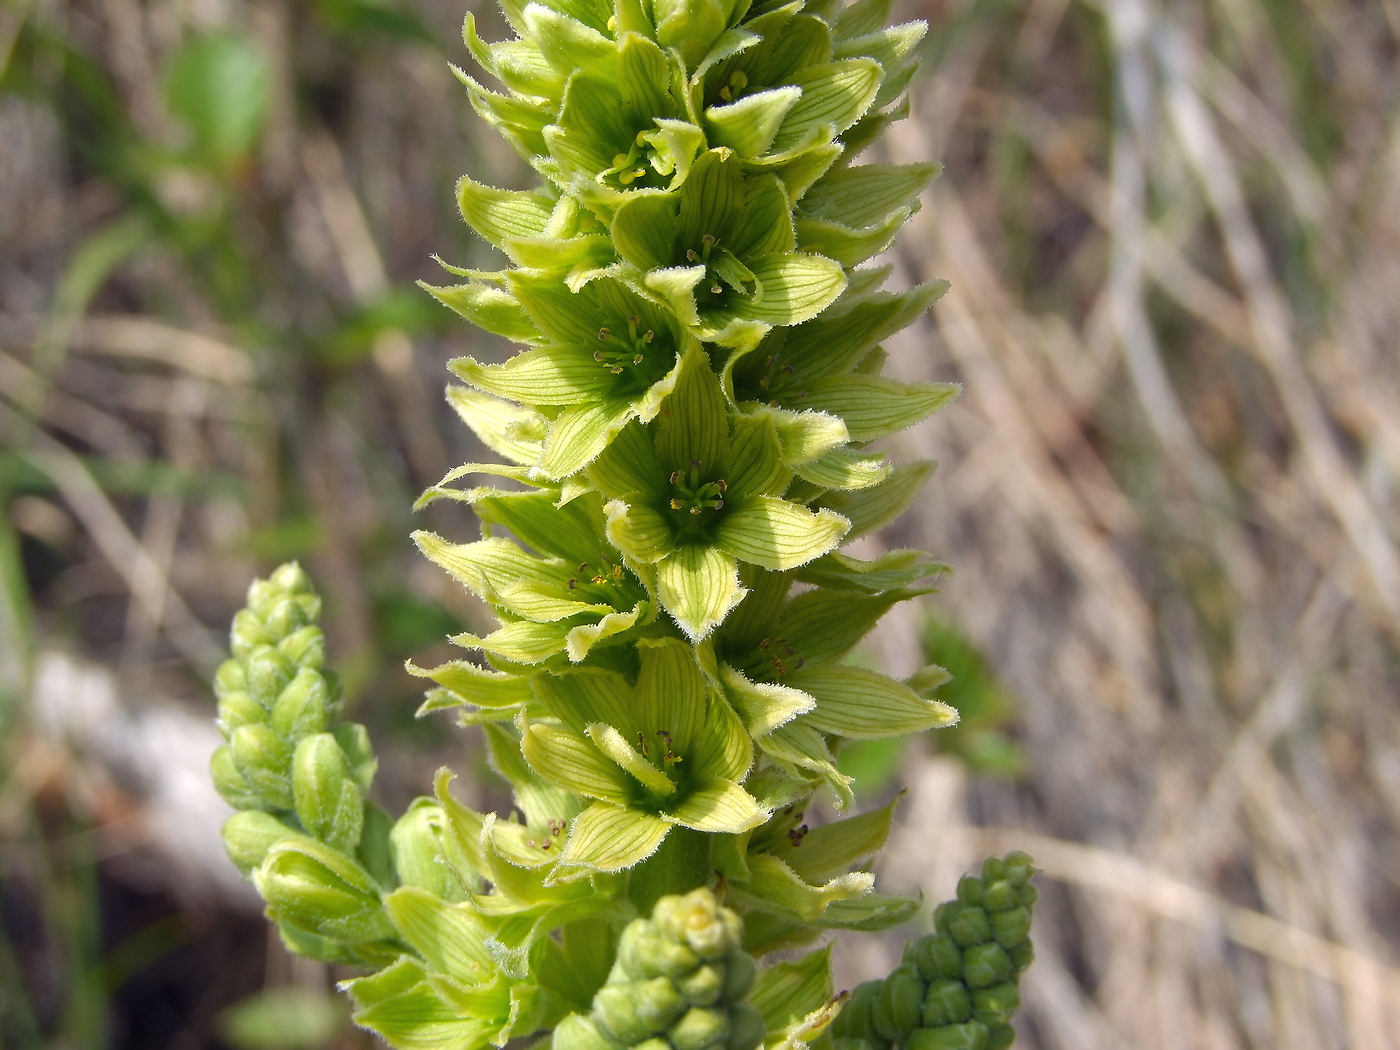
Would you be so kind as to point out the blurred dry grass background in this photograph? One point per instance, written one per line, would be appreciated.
(1169, 488)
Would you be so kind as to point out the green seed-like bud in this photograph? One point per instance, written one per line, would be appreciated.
(292, 579)
(249, 835)
(995, 1005)
(900, 1004)
(644, 951)
(970, 1036)
(247, 633)
(283, 616)
(229, 782)
(937, 956)
(1010, 928)
(739, 973)
(229, 677)
(746, 1027)
(328, 801)
(322, 890)
(1019, 867)
(947, 1002)
(1000, 1037)
(970, 926)
(236, 709)
(696, 919)
(577, 1032)
(699, 1028)
(305, 647)
(264, 758)
(993, 868)
(971, 890)
(268, 673)
(985, 965)
(702, 987)
(616, 1010)
(303, 708)
(353, 739)
(1021, 955)
(1028, 894)
(1000, 896)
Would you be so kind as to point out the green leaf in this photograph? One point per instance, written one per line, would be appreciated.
(836, 94)
(698, 586)
(875, 507)
(749, 126)
(873, 406)
(219, 86)
(611, 838)
(695, 428)
(865, 705)
(763, 706)
(509, 430)
(831, 849)
(572, 761)
(796, 287)
(500, 214)
(863, 195)
(722, 807)
(845, 468)
(488, 307)
(777, 534)
(448, 936)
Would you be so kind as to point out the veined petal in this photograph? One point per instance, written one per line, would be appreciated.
(848, 246)
(572, 761)
(874, 406)
(698, 586)
(611, 838)
(845, 468)
(725, 750)
(643, 534)
(696, 429)
(544, 603)
(866, 705)
(498, 214)
(522, 642)
(757, 464)
(719, 808)
(580, 696)
(862, 195)
(837, 94)
(612, 743)
(627, 468)
(580, 433)
(875, 507)
(643, 229)
(581, 639)
(515, 432)
(470, 684)
(749, 126)
(549, 375)
(796, 287)
(486, 566)
(671, 692)
(488, 307)
(776, 534)
(802, 746)
(763, 706)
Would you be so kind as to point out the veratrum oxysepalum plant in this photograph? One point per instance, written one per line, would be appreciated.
(685, 442)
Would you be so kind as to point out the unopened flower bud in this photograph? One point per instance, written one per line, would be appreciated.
(854, 1020)
(353, 739)
(699, 1028)
(644, 951)
(328, 801)
(900, 1005)
(249, 835)
(636, 1011)
(230, 783)
(237, 708)
(985, 965)
(417, 851)
(229, 677)
(268, 673)
(292, 579)
(739, 974)
(264, 759)
(702, 987)
(305, 647)
(946, 1002)
(320, 889)
(971, 890)
(937, 956)
(284, 616)
(746, 1027)
(577, 1032)
(247, 633)
(1000, 1037)
(969, 926)
(303, 708)
(970, 1036)
(1000, 896)
(995, 1005)
(1010, 928)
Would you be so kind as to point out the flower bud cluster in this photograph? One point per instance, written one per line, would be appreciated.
(678, 983)
(958, 986)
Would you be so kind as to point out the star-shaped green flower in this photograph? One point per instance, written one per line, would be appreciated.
(666, 751)
(698, 493)
(570, 597)
(608, 357)
(720, 253)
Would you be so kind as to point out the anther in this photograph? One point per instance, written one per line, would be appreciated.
(603, 333)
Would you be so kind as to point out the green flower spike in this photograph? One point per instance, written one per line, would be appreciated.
(720, 253)
(699, 493)
(666, 751)
(679, 983)
(958, 986)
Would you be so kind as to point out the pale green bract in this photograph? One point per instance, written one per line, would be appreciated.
(684, 442)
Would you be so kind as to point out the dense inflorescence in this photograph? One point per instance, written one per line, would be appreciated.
(685, 442)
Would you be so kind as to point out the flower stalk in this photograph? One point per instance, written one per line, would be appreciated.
(685, 441)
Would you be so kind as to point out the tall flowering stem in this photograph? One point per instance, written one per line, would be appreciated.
(685, 443)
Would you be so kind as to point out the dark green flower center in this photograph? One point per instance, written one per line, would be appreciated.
(722, 267)
(620, 354)
(778, 655)
(733, 89)
(647, 162)
(613, 579)
(694, 495)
